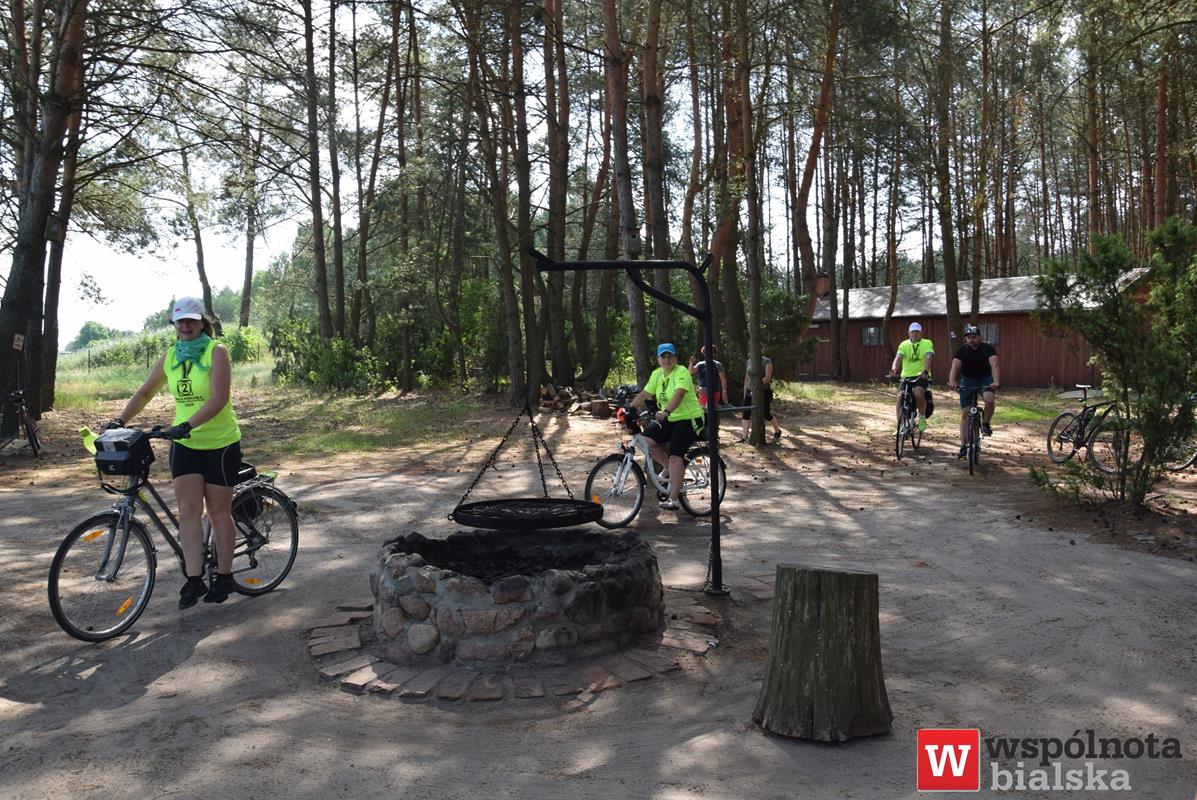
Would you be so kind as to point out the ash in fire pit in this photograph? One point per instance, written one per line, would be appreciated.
(536, 597)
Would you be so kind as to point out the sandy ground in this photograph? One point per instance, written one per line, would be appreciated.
(999, 610)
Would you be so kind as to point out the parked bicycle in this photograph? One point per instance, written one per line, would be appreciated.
(908, 418)
(25, 424)
(618, 482)
(1096, 428)
(103, 574)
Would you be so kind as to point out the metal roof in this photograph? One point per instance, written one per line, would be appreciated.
(998, 296)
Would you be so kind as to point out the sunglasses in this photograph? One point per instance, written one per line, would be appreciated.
(667, 355)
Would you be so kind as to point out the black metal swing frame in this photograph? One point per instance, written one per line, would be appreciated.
(703, 315)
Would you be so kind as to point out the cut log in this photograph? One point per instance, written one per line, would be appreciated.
(823, 680)
(599, 409)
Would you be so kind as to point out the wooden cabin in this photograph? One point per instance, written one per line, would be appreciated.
(1028, 357)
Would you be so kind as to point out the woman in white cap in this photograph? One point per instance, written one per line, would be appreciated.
(206, 453)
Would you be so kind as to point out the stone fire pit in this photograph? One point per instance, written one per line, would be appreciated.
(536, 597)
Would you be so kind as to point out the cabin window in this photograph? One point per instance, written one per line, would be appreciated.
(870, 336)
(989, 332)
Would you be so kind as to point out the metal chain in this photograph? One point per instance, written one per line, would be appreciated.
(488, 463)
(537, 440)
(537, 434)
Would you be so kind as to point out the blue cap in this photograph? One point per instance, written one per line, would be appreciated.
(666, 347)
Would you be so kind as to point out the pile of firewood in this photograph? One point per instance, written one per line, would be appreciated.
(571, 402)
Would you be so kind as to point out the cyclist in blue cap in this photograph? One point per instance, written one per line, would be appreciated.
(678, 420)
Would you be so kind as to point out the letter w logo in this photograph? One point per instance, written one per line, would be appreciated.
(948, 760)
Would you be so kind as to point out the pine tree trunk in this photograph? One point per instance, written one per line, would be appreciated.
(824, 679)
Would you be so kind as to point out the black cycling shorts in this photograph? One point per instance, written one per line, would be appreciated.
(219, 467)
(680, 434)
(766, 405)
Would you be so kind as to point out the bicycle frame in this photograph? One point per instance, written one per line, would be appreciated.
(639, 443)
(133, 499)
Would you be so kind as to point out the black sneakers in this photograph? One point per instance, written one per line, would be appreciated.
(222, 587)
(776, 435)
(192, 591)
(986, 429)
(963, 451)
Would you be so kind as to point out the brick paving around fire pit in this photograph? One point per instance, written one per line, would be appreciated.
(340, 645)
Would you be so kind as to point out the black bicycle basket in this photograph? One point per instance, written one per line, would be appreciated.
(123, 451)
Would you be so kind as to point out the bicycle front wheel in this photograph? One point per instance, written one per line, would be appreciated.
(101, 579)
(900, 437)
(267, 539)
(916, 433)
(1060, 438)
(974, 443)
(1182, 455)
(618, 488)
(30, 428)
(696, 496)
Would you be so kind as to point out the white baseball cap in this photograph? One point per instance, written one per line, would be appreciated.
(187, 308)
(914, 326)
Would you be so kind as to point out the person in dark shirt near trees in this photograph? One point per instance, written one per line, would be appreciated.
(974, 366)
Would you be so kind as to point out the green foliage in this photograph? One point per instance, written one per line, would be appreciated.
(130, 350)
(337, 364)
(1144, 349)
(92, 332)
(244, 344)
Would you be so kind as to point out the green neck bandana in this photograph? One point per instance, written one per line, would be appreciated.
(192, 351)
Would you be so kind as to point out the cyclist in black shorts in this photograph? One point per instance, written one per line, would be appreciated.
(204, 463)
(678, 420)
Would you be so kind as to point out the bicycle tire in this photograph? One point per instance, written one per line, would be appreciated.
(85, 606)
(696, 497)
(974, 443)
(1107, 442)
(267, 539)
(916, 433)
(900, 438)
(1183, 454)
(620, 504)
(30, 428)
(1060, 438)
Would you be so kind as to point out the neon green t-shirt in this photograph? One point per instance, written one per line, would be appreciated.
(663, 388)
(191, 388)
(914, 355)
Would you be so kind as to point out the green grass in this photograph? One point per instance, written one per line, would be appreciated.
(78, 389)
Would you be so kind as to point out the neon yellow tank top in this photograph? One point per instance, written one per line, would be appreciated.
(191, 388)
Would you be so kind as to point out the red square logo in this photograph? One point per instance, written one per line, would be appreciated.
(949, 760)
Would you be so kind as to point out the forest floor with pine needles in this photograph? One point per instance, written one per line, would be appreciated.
(1003, 607)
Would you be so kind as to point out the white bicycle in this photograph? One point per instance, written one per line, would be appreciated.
(618, 482)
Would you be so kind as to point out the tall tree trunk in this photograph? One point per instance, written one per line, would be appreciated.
(653, 97)
(497, 187)
(365, 195)
(981, 190)
(557, 119)
(891, 220)
(518, 120)
(695, 183)
(805, 249)
(616, 61)
(312, 99)
(943, 100)
(197, 236)
(334, 165)
(1161, 143)
(23, 289)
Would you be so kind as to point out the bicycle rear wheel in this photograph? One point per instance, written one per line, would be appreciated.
(618, 490)
(696, 496)
(1060, 438)
(1114, 445)
(30, 430)
(94, 598)
(267, 539)
(1182, 455)
(916, 433)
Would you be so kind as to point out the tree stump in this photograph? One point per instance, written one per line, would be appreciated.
(823, 680)
(599, 409)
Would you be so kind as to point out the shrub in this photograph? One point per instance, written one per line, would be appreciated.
(338, 364)
(244, 344)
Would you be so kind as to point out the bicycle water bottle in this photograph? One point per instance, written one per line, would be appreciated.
(89, 439)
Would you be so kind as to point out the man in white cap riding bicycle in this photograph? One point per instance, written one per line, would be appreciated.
(913, 364)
